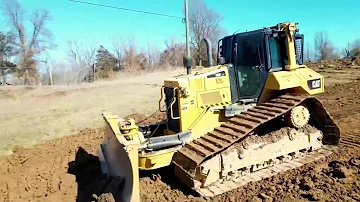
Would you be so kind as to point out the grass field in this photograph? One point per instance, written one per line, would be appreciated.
(29, 114)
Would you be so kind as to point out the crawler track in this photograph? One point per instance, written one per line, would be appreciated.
(239, 127)
(233, 183)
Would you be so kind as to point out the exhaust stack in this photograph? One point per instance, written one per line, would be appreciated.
(208, 49)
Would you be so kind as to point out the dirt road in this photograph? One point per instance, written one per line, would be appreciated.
(67, 169)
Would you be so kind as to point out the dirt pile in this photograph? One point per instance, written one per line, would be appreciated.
(342, 100)
(141, 119)
(336, 64)
(41, 173)
(60, 170)
(65, 169)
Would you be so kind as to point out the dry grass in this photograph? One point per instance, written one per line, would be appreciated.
(29, 114)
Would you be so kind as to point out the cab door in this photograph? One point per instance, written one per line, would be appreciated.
(250, 65)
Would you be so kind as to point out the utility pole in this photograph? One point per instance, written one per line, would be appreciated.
(50, 74)
(49, 68)
(187, 28)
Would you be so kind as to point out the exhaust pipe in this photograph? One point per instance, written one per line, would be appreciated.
(208, 49)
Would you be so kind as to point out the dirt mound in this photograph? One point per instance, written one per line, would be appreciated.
(65, 169)
(41, 173)
(336, 64)
(342, 100)
(141, 119)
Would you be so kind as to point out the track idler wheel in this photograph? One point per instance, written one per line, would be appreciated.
(298, 117)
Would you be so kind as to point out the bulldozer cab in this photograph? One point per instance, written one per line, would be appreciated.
(254, 55)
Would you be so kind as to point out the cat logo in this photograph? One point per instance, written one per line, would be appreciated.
(314, 84)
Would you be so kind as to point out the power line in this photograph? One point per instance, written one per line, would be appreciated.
(126, 9)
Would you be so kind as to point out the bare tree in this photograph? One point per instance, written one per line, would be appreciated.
(173, 53)
(27, 44)
(118, 46)
(346, 52)
(48, 63)
(324, 49)
(132, 61)
(81, 58)
(60, 73)
(308, 55)
(153, 55)
(203, 22)
(130, 55)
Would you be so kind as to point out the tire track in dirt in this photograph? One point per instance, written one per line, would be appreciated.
(342, 101)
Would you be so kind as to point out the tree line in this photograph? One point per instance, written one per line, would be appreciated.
(23, 49)
(324, 49)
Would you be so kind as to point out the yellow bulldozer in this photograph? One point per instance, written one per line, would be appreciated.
(249, 117)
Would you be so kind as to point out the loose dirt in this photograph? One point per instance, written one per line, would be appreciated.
(144, 120)
(339, 64)
(68, 169)
(65, 169)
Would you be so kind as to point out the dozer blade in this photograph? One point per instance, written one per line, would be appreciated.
(118, 160)
(215, 162)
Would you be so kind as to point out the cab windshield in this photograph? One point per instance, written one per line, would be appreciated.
(278, 53)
